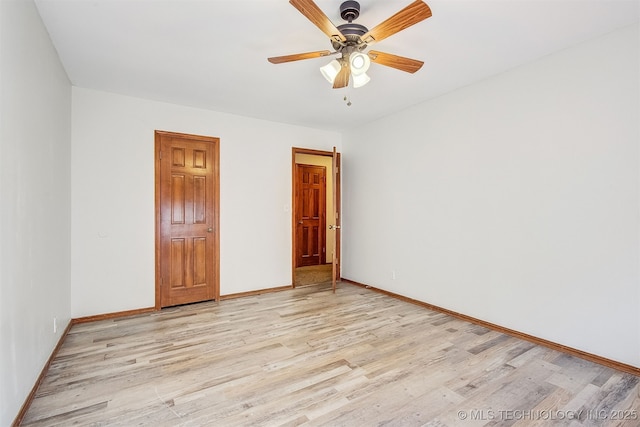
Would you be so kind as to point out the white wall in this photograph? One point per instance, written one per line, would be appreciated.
(113, 197)
(35, 189)
(513, 200)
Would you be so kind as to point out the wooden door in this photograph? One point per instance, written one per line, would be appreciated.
(187, 219)
(310, 214)
(335, 276)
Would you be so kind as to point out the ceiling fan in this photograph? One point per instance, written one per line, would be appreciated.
(351, 39)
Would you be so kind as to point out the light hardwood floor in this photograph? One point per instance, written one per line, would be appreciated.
(310, 357)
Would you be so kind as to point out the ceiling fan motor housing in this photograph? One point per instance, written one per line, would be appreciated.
(350, 10)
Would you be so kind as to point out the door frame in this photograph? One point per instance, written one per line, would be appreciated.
(294, 189)
(216, 208)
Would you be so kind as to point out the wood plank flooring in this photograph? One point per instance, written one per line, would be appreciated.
(310, 357)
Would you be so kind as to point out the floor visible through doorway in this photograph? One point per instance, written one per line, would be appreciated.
(313, 274)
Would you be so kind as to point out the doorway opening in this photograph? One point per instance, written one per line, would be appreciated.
(315, 217)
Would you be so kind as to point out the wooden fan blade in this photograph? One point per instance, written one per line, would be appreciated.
(410, 15)
(342, 79)
(298, 56)
(399, 62)
(314, 14)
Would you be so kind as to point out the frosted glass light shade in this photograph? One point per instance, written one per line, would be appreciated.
(331, 70)
(359, 63)
(360, 80)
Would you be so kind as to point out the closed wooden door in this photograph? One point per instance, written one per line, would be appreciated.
(187, 219)
(310, 214)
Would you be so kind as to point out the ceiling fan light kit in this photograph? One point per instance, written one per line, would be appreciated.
(359, 63)
(360, 80)
(331, 70)
(351, 39)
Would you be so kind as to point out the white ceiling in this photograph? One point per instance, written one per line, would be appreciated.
(213, 53)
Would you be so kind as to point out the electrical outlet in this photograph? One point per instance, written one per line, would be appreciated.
(55, 325)
(393, 274)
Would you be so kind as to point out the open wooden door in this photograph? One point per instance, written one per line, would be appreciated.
(335, 276)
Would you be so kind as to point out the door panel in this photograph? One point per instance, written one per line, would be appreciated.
(187, 215)
(310, 221)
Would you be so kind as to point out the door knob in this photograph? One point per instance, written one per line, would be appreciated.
(300, 222)
(334, 227)
(210, 230)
